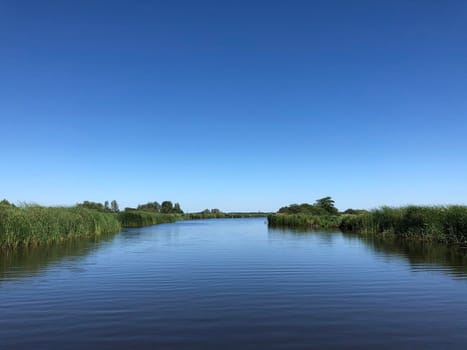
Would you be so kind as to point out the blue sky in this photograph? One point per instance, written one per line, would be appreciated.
(237, 105)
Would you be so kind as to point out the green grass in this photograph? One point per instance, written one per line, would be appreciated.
(446, 224)
(35, 225)
(304, 220)
(140, 218)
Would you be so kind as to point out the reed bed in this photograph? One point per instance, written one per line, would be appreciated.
(304, 220)
(446, 224)
(35, 225)
(140, 218)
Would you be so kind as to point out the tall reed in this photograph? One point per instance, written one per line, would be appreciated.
(304, 220)
(140, 218)
(34, 225)
(440, 223)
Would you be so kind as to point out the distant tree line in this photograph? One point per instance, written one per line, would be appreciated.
(218, 214)
(165, 208)
(208, 214)
(211, 212)
(103, 207)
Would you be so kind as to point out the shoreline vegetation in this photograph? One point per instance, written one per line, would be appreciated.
(33, 225)
(444, 224)
(141, 218)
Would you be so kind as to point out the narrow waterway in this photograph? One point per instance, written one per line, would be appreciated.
(233, 284)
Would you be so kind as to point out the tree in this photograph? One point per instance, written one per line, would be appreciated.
(151, 206)
(106, 205)
(114, 206)
(176, 209)
(6, 203)
(156, 206)
(92, 205)
(326, 203)
(166, 207)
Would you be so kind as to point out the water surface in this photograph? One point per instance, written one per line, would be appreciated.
(233, 284)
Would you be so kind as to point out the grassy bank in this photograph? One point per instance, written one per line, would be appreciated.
(446, 224)
(140, 218)
(304, 220)
(35, 225)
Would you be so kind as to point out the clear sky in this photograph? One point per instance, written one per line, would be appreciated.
(237, 105)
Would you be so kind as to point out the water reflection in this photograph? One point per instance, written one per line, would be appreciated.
(236, 284)
(28, 261)
(323, 236)
(420, 255)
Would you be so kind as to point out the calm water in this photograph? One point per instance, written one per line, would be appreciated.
(233, 284)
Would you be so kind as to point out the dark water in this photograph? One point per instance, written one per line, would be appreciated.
(233, 284)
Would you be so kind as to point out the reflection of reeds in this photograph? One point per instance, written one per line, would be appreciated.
(444, 224)
(418, 253)
(28, 260)
(34, 225)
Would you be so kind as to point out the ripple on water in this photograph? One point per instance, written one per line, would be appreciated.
(233, 284)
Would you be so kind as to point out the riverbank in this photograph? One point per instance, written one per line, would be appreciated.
(446, 224)
(36, 225)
